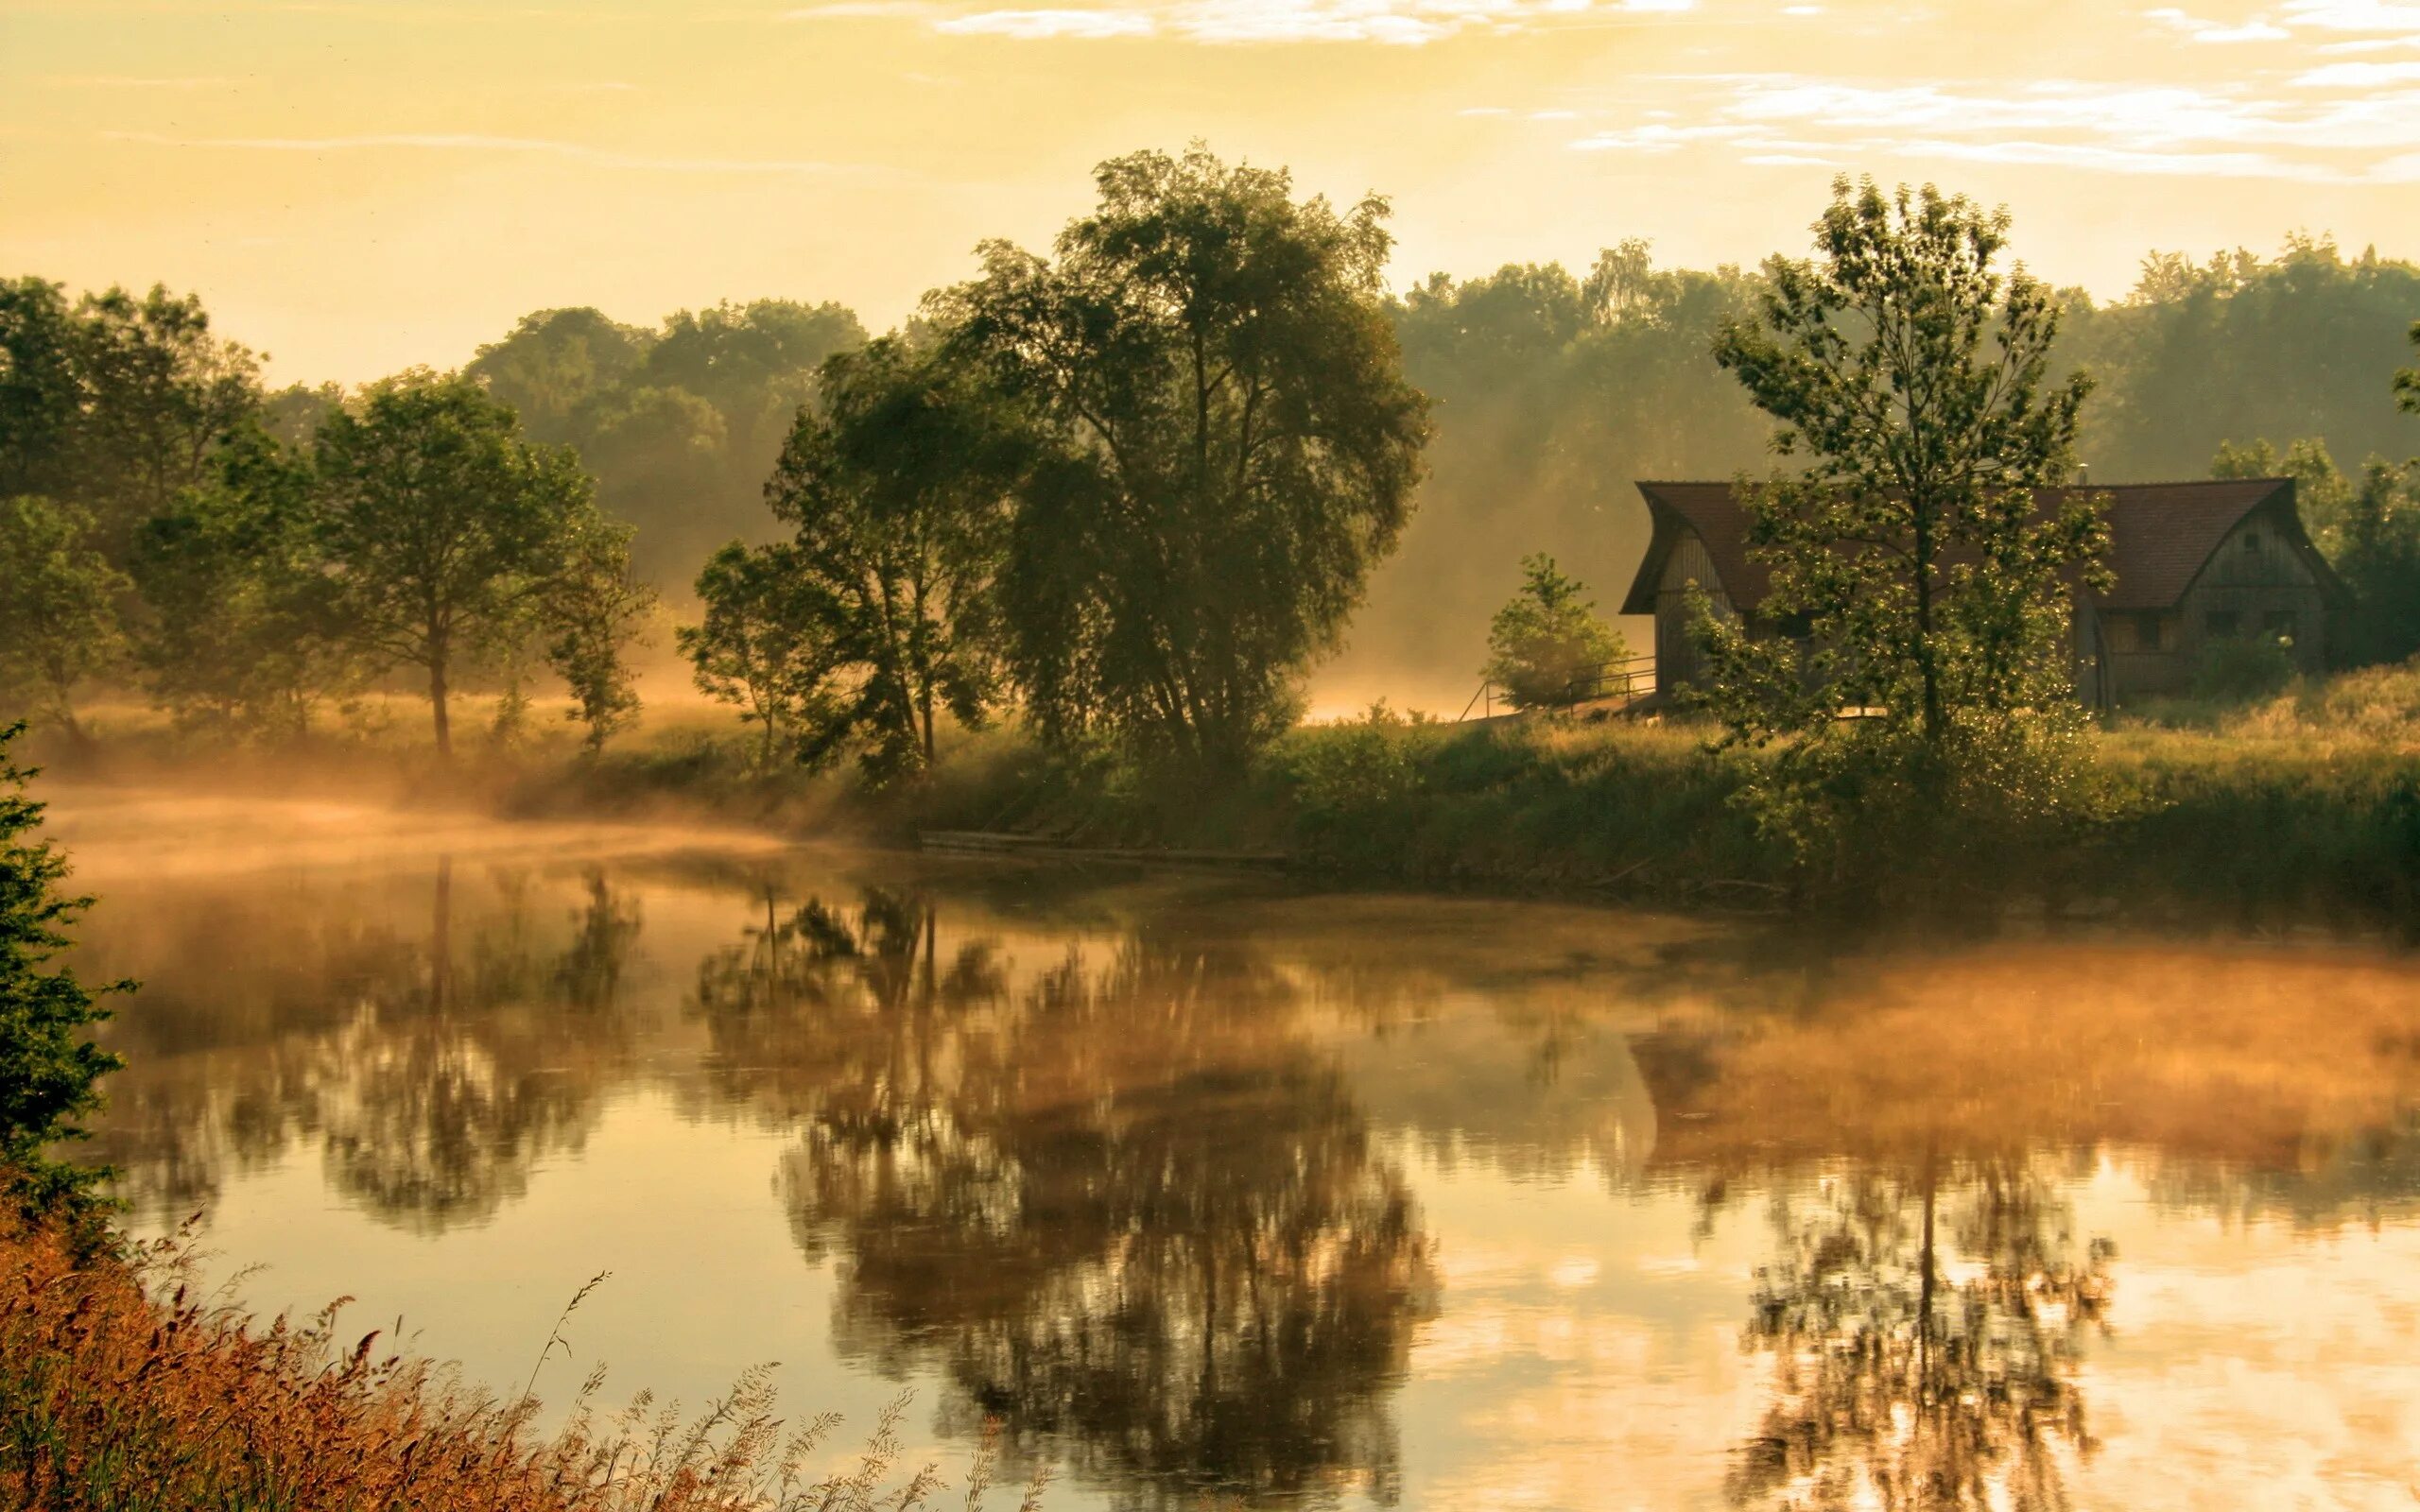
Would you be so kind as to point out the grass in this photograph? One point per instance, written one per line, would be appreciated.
(122, 1391)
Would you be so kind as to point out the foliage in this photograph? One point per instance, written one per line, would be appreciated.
(593, 609)
(1547, 641)
(49, 1066)
(120, 1387)
(2369, 531)
(897, 493)
(59, 625)
(450, 537)
(762, 645)
(2301, 343)
(1233, 447)
(2239, 668)
(1920, 580)
(240, 633)
(678, 425)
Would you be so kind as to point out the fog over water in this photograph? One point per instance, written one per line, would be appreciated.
(1353, 1200)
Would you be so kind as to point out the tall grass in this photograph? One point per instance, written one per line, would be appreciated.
(121, 1390)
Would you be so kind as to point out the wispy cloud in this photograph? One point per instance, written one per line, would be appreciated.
(138, 81)
(1399, 23)
(2359, 76)
(2257, 29)
(472, 142)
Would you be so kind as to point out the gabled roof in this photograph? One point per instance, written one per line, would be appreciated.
(2161, 534)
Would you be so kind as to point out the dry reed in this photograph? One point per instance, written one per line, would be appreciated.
(123, 1390)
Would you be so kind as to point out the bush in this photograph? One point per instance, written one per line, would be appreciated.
(2238, 669)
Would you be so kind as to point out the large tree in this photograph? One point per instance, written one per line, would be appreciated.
(446, 532)
(897, 487)
(1235, 448)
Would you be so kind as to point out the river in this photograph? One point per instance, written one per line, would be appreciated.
(1200, 1185)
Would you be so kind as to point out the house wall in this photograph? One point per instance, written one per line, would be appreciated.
(1678, 662)
(2257, 583)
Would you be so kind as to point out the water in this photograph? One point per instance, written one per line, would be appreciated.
(1198, 1186)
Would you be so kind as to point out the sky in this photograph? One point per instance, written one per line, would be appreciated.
(355, 186)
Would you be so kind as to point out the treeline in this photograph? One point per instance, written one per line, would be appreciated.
(155, 528)
(1138, 538)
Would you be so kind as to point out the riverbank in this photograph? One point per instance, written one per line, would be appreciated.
(2299, 809)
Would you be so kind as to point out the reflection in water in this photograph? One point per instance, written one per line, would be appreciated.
(432, 1072)
(1200, 1190)
(1926, 1332)
(1121, 1206)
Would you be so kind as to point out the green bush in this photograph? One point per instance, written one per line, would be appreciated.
(2238, 669)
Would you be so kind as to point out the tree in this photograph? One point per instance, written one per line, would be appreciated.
(240, 632)
(760, 646)
(1910, 380)
(1547, 641)
(553, 362)
(159, 392)
(49, 1066)
(2407, 380)
(1917, 573)
(40, 395)
(445, 531)
(1234, 447)
(58, 624)
(594, 610)
(897, 488)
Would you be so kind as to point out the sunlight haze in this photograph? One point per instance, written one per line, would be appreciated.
(359, 185)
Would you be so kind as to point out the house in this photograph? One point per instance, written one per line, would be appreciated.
(2195, 563)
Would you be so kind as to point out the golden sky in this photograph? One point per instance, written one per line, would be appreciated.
(355, 186)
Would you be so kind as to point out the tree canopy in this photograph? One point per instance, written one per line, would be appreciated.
(1232, 447)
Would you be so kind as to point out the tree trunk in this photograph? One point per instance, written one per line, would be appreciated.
(1926, 665)
(437, 696)
(924, 702)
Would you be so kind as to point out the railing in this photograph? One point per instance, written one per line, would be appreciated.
(1629, 680)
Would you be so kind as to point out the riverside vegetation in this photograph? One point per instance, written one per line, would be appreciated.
(1094, 516)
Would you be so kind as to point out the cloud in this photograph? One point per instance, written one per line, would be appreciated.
(1039, 24)
(2359, 76)
(455, 142)
(1655, 138)
(2257, 29)
(133, 81)
(2353, 15)
(1399, 23)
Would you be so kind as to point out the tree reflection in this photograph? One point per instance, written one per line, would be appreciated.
(1918, 1369)
(1114, 1199)
(433, 1073)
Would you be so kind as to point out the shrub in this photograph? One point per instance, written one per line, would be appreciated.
(2238, 669)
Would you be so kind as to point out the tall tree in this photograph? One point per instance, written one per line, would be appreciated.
(2407, 380)
(897, 487)
(58, 622)
(1910, 381)
(1235, 448)
(445, 530)
(49, 1066)
(762, 645)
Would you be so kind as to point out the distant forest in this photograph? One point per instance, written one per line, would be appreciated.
(1553, 391)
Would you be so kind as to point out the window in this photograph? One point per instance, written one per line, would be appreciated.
(2252, 542)
(2222, 625)
(2148, 628)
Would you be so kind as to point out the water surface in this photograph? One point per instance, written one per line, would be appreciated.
(1193, 1185)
